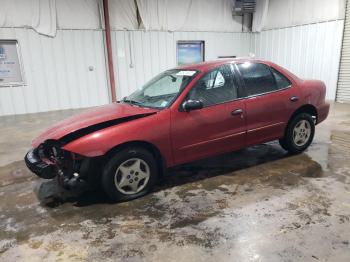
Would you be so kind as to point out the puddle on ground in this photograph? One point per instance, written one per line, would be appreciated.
(212, 204)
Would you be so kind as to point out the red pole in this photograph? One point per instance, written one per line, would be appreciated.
(109, 50)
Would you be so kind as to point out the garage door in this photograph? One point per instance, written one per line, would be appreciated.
(343, 90)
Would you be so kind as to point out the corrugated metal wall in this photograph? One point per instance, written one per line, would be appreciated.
(309, 51)
(140, 55)
(58, 76)
(343, 91)
(57, 71)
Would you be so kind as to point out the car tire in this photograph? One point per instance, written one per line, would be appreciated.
(282, 143)
(130, 173)
(299, 134)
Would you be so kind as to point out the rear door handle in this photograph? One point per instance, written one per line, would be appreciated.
(237, 112)
(294, 98)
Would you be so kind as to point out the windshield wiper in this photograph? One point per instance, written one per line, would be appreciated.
(133, 102)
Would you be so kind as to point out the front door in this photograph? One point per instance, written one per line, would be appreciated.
(216, 128)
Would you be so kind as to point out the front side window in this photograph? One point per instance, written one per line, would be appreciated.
(281, 81)
(257, 78)
(217, 86)
(162, 90)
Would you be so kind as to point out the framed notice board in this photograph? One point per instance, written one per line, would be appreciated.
(11, 70)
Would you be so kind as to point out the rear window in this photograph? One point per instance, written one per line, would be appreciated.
(281, 81)
(258, 78)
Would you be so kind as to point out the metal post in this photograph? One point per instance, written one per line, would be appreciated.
(109, 50)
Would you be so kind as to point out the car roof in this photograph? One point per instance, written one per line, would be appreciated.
(208, 65)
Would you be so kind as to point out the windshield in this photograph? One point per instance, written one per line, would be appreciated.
(162, 90)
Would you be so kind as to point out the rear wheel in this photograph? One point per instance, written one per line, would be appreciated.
(299, 134)
(129, 174)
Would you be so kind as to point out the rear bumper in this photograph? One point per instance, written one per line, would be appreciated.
(322, 112)
(39, 167)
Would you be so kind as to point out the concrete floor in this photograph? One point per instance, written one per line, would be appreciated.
(257, 204)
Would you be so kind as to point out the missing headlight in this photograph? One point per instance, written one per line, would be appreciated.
(51, 150)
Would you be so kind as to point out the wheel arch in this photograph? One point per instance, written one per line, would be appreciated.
(161, 162)
(307, 108)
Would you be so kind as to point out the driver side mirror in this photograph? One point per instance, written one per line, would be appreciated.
(190, 105)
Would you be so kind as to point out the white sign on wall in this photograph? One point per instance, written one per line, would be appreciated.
(10, 64)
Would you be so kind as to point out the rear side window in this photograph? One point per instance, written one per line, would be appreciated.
(258, 78)
(281, 81)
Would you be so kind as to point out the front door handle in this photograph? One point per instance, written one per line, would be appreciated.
(294, 98)
(237, 112)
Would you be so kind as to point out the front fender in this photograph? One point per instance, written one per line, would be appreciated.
(154, 130)
(91, 145)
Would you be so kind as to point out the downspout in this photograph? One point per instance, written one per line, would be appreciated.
(109, 50)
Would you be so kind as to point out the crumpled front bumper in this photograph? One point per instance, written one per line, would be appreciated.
(38, 166)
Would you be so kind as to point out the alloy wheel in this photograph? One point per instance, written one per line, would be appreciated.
(301, 133)
(132, 176)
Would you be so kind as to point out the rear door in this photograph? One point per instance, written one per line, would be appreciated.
(214, 128)
(271, 99)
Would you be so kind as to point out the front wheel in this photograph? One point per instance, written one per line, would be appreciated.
(129, 174)
(299, 134)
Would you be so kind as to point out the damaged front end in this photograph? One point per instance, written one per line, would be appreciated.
(49, 160)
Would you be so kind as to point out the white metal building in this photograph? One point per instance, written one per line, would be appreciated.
(234, 163)
(62, 45)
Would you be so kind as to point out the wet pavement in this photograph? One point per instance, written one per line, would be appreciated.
(257, 204)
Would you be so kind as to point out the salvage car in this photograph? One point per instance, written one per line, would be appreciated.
(181, 115)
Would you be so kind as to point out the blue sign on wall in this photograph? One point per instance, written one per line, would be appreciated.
(190, 52)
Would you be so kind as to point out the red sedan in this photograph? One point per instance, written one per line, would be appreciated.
(181, 115)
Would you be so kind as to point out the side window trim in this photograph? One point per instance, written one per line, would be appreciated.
(240, 82)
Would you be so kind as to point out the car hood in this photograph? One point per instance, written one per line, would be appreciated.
(98, 117)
